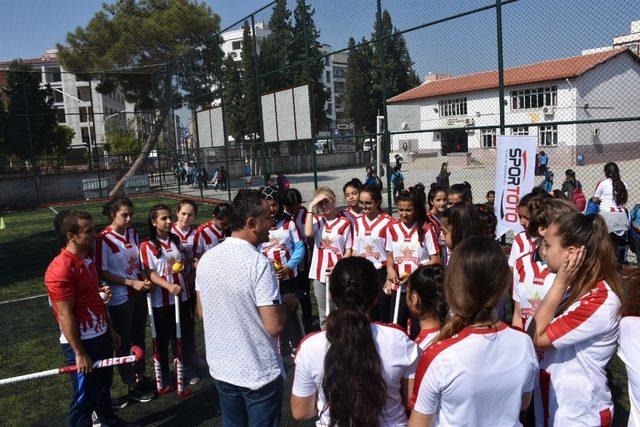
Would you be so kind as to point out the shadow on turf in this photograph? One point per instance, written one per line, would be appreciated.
(200, 407)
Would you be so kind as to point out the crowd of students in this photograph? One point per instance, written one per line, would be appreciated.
(413, 325)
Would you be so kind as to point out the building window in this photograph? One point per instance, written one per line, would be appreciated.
(534, 98)
(488, 138)
(53, 75)
(328, 76)
(236, 45)
(452, 107)
(83, 114)
(548, 135)
(339, 103)
(327, 61)
(329, 92)
(329, 109)
(60, 116)
(523, 130)
(84, 94)
(339, 87)
(338, 72)
(58, 96)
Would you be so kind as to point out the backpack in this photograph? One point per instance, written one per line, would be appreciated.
(578, 199)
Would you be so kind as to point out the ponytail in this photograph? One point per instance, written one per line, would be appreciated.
(620, 193)
(417, 197)
(111, 208)
(427, 283)
(353, 383)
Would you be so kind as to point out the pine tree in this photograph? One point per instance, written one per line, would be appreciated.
(275, 52)
(306, 41)
(249, 95)
(234, 115)
(360, 101)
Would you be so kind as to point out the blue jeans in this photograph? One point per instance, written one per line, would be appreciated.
(91, 391)
(251, 408)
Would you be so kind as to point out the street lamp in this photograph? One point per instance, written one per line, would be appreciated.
(104, 122)
(88, 116)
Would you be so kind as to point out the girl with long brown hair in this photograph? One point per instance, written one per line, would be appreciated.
(576, 326)
(629, 346)
(479, 371)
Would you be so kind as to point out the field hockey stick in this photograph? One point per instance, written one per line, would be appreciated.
(396, 309)
(300, 295)
(136, 354)
(160, 387)
(327, 296)
(183, 391)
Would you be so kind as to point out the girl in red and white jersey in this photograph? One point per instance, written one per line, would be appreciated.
(117, 255)
(351, 192)
(532, 278)
(629, 347)
(163, 261)
(460, 221)
(212, 232)
(411, 243)
(356, 372)
(332, 240)
(370, 242)
(479, 371)
(438, 202)
(426, 302)
(186, 232)
(523, 243)
(578, 343)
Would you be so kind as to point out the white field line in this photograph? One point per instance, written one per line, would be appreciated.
(22, 299)
(53, 210)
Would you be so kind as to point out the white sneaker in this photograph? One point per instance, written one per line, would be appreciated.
(95, 422)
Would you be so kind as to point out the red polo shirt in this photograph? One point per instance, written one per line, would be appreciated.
(70, 277)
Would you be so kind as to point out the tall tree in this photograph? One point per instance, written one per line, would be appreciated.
(138, 36)
(250, 91)
(24, 95)
(275, 52)
(360, 100)
(232, 106)
(306, 44)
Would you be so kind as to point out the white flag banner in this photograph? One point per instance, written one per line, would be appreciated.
(515, 177)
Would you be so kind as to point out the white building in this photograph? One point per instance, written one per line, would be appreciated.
(72, 99)
(232, 39)
(631, 41)
(600, 85)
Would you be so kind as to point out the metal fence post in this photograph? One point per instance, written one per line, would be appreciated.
(500, 63)
(224, 129)
(310, 91)
(195, 136)
(256, 66)
(95, 140)
(30, 138)
(385, 126)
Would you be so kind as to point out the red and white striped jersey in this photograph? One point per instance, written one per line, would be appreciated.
(351, 215)
(187, 240)
(162, 263)
(573, 386)
(370, 239)
(426, 336)
(118, 254)
(521, 245)
(331, 240)
(282, 238)
(300, 218)
(207, 236)
(532, 279)
(409, 252)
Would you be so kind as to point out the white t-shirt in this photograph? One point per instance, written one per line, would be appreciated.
(573, 384)
(532, 279)
(233, 279)
(629, 352)
(370, 239)
(331, 241)
(118, 254)
(476, 377)
(521, 245)
(409, 252)
(399, 357)
(604, 192)
(426, 336)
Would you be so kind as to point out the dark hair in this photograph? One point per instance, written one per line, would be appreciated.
(68, 223)
(537, 191)
(464, 221)
(375, 193)
(491, 193)
(464, 190)
(477, 279)
(353, 383)
(619, 189)
(292, 197)
(435, 189)
(590, 231)
(355, 183)
(61, 239)
(571, 174)
(221, 211)
(247, 204)
(153, 234)
(488, 216)
(525, 200)
(189, 202)
(427, 282)
(557, 194)
(111, 208)
(543, 210)
(416, 196)
(631, 307)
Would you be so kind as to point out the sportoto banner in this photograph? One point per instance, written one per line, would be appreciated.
(515, 175)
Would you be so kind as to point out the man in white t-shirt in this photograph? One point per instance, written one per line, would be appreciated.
(243, 314)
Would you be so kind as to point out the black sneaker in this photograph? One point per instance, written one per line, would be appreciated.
(137, 394)
(147, 384)
(119, 403)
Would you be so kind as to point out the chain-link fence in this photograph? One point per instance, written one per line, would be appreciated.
(319, 90)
